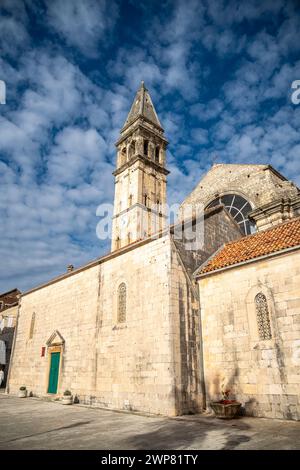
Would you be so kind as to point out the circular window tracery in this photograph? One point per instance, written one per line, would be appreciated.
(238, 207)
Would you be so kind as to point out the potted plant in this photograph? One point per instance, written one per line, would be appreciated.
(22, 392)
(226, 408)
(67, 398)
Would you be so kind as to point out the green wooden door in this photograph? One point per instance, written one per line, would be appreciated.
(53, 374)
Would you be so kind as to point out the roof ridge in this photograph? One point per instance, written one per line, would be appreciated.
(267, 242)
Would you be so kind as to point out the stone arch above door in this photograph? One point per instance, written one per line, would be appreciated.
(55, 350)
(56, 339)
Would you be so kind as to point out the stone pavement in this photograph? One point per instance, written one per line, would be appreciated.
(31, 423)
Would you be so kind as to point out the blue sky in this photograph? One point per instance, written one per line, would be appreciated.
(219, 73)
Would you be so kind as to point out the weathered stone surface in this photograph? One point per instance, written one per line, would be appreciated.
(126, 365)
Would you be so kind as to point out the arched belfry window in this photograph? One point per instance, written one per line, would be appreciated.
(238, 207)
(122, 303)
(132, 149)
(157, 154)
(263, 317)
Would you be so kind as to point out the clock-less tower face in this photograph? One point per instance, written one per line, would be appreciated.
(140, 176)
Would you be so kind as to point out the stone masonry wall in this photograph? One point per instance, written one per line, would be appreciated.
(263, 375)
(184, 310)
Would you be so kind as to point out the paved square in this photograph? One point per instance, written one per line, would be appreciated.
(35, 424)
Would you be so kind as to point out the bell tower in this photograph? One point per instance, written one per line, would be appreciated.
(140, 176)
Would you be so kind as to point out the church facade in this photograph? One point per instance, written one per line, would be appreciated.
(157, 327)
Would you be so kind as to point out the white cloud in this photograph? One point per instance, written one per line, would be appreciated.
(58, 130)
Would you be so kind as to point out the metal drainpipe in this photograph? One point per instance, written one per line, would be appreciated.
(202, 376)
(13, 348)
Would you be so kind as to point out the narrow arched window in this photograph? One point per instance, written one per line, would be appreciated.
(117, 243)
(146, 147)
(132, 149)
(145, 199)
(122, 303)
(263, 317)
(130, 200)
(157, 154)
(31, 331)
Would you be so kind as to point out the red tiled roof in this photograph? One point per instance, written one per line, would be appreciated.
(280, 237)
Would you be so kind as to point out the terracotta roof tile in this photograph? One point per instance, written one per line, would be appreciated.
(280, 237)
(8, 299)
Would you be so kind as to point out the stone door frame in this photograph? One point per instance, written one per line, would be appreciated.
(54, 344)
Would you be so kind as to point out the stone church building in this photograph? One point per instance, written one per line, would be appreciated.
(157, 327)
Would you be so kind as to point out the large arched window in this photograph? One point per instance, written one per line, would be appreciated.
(122, 303)
(238, 207)
(263, 317)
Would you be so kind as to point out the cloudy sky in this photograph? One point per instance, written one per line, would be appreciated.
(219, 73)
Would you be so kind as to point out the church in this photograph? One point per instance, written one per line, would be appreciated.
(160, 325)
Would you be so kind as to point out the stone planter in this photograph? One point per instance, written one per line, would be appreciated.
(226, 410)
(67, 400)
(22, 394)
